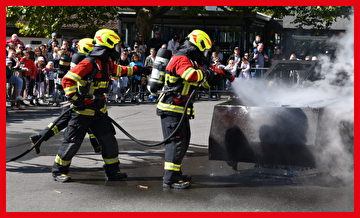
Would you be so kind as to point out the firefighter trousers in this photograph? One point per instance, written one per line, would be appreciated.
(74, 135)
(176, 147)
(62, 124)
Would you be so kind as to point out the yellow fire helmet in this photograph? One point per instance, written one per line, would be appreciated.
(106, 37)
(200, 39)
(85, 45)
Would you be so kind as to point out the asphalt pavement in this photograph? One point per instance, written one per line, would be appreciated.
(215, 186)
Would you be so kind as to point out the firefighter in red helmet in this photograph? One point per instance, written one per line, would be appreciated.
(85, 85)
(182, 75)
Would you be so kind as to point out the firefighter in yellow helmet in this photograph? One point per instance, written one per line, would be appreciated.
(84, 46)
(182, 75)
(85, 85)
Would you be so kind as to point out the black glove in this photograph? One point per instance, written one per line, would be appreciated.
(77, 101)
(209, 74)
(79, 104)
(143, 70)
(216, 80)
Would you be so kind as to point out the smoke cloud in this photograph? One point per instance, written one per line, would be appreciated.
(335, 92)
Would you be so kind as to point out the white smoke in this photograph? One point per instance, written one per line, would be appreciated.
(334, 93)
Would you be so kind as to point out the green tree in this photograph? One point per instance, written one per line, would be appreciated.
(43, 20)
(317, 17)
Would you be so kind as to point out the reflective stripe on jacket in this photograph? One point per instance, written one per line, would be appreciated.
(183, 75)
(76, 79)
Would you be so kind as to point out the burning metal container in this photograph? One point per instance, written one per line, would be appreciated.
(264, 135)
(272, 135)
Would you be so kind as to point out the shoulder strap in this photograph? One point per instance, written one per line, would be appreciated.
(94, 69)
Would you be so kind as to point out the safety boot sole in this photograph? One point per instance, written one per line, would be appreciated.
(61, 178)
(177, 185)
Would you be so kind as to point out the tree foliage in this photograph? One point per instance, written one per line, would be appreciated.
(43, 20)
(317, 17)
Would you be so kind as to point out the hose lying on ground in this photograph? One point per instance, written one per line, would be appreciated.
(117, 125)
(41, 139)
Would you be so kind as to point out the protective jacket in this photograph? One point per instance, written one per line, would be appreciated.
(75, 82)
(182, 76)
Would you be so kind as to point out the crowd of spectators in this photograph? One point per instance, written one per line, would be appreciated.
(34, 68)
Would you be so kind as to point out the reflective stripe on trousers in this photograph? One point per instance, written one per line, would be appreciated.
(111, 161)
(62, 162)
(172, 166)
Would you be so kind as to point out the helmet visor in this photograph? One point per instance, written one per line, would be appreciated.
(206, 52)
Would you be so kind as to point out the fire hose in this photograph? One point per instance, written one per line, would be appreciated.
(42, 137)
(116, 124)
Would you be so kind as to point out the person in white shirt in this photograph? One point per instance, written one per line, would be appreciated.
(173, 44)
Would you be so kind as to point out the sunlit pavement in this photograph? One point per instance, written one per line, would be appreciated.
(215, 185)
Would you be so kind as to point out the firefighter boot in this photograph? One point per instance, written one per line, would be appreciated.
(173, 179)
(61, 177)
(33, 140)
(185, 178)
(180, 176)
(117, 176)
(113, 173)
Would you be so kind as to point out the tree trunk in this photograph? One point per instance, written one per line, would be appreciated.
(145, 18)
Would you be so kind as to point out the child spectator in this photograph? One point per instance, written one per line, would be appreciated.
(245, 68)
(29, 68)
(56, 57)
(50, 78)
(217, 66)
(256, 43)
(231, 67)
(136, 79)
(40, 77)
